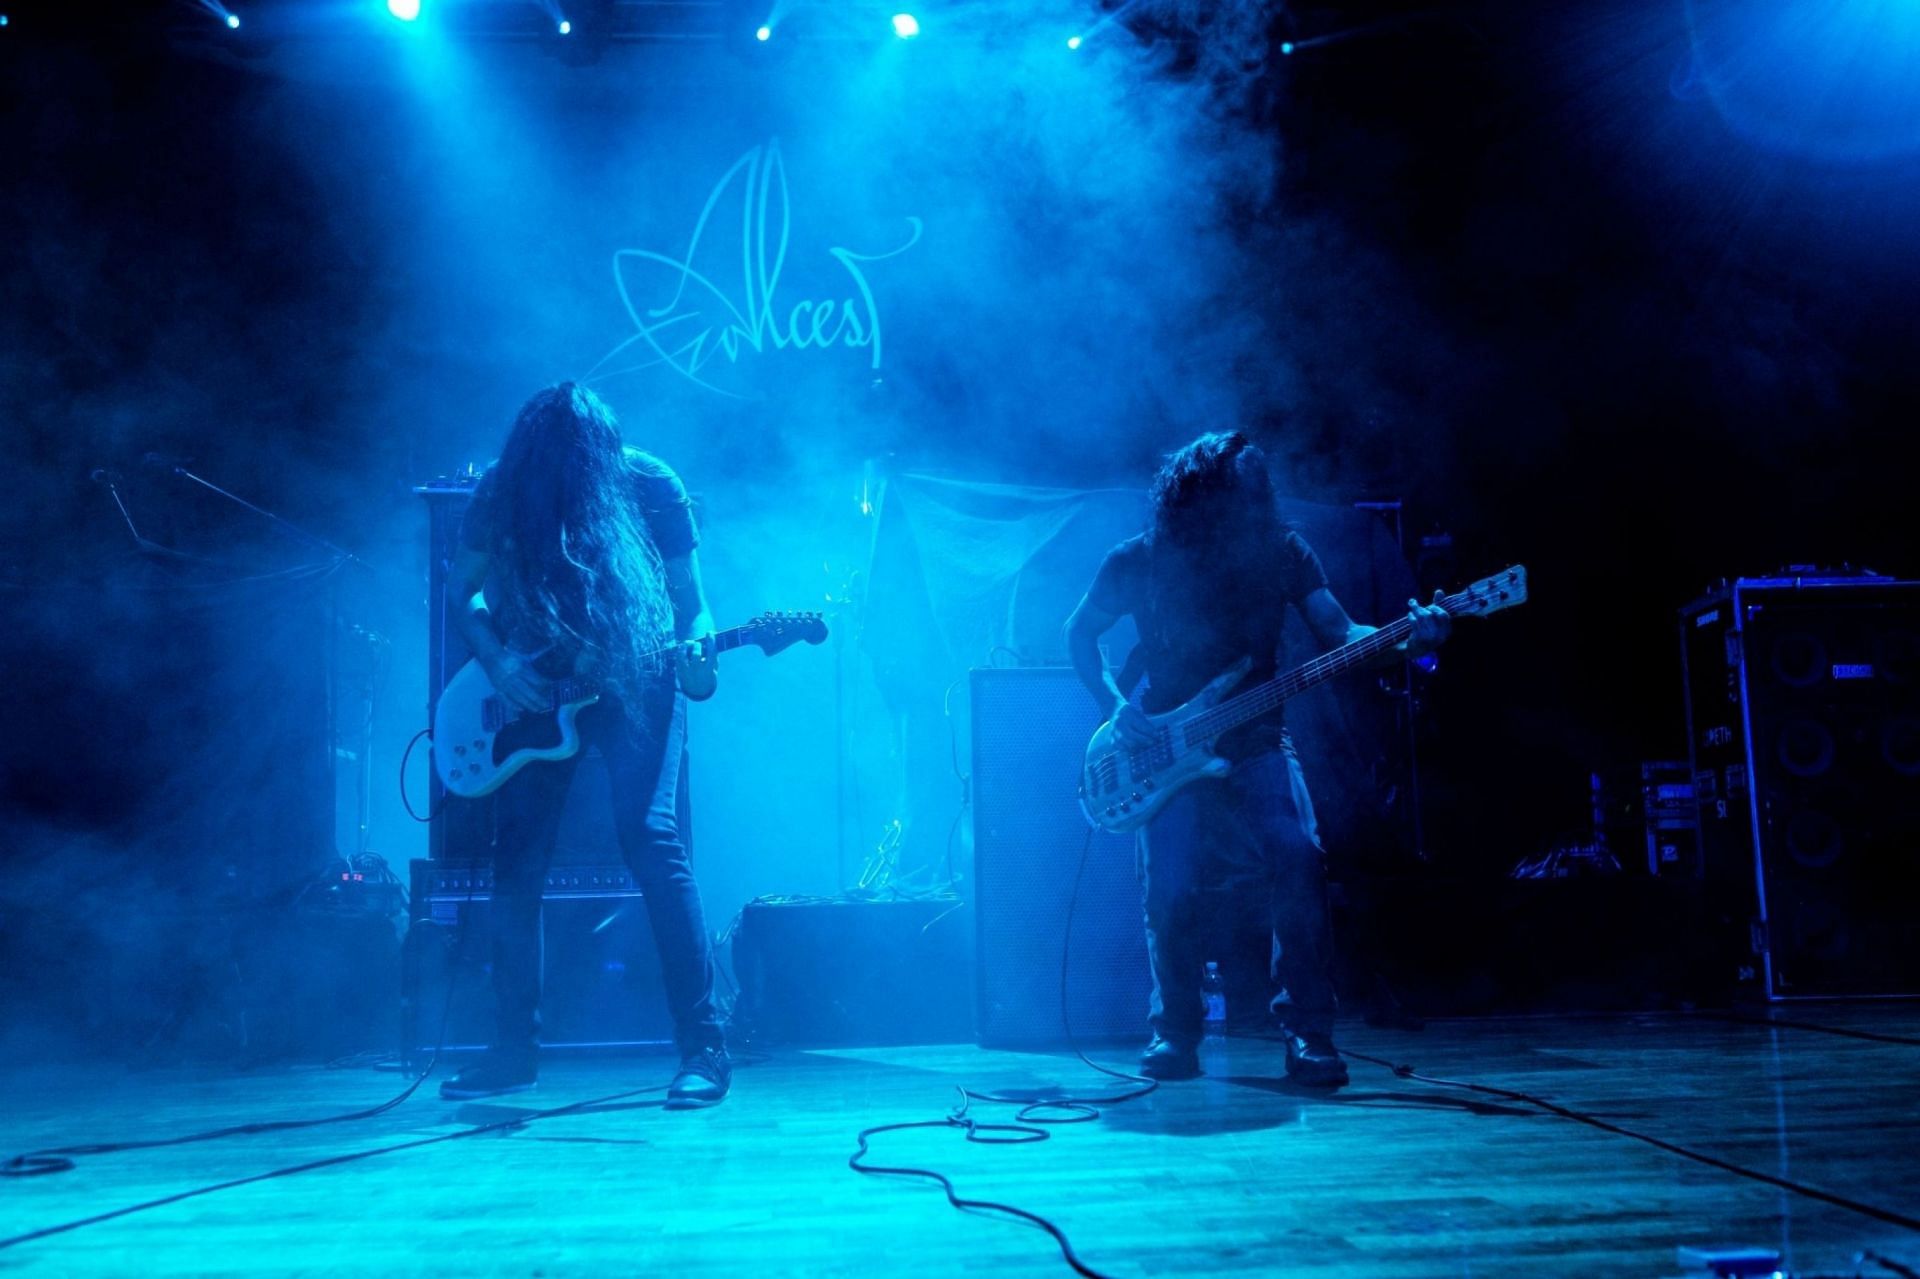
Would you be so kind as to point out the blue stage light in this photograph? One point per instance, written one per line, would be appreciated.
(566, 28)
(233, 22)
(763, 34)
(1286, 46)
(1073, 42)
(906, 26)
(405, 10)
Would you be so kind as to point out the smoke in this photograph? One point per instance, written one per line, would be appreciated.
(334, 272)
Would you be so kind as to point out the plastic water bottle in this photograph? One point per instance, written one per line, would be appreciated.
(1214, 988)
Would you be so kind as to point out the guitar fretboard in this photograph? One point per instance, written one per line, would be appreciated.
(1264, 697)
(579, 690)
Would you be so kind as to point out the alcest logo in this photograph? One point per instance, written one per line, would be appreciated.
(687, 320)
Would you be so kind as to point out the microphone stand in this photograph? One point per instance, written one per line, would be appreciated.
(363, 747)
(295, 531)
(110, 481)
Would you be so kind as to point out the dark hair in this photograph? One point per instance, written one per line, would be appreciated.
(1215, 492)
(570, 541)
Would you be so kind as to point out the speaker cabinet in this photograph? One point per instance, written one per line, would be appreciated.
(1030, 731)
(600, 985)
(1803, 701)
(462, 829)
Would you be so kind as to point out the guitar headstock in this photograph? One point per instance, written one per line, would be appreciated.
(1490, 594)
(775, 632)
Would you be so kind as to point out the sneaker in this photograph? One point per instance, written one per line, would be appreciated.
(492, 1076)
(1166, 1060)
(1314, 1061)
(703, 1080)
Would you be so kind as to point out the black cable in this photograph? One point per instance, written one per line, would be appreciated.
(40, 1163)
(1082, 1108)
(1888, 1263)
(330, 1161)
(406, 803)
(1886, 1215)
(1846, 1032)
(973, 1129)
(1031, 1121)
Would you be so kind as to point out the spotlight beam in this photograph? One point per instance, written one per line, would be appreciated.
(221, 14)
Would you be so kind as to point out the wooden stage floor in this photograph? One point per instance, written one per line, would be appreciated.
(1235, 1174)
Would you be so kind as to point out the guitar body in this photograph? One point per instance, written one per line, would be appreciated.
(479, 741)
(1122, 789)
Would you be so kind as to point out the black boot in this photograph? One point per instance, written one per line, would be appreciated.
(1313, 1060)
(494, 1075)
(1166, 1060)
(705, 1075)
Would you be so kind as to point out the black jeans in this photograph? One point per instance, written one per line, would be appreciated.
(644, 754)
(1220, 848)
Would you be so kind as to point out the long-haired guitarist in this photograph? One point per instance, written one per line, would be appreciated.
(1208, 584)
(577, 557)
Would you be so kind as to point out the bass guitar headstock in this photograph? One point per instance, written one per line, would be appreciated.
(1489, 595)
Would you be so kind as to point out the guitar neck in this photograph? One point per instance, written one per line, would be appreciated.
(731, 638)
(772, 633)
(1368, 650)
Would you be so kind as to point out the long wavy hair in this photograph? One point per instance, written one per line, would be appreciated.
(571, 548)
(1212, 514)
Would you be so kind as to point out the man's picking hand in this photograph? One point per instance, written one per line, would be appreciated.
(1131, 727)
(694, 661)
(514, 678)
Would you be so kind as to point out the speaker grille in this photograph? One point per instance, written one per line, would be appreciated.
(1030, 730)
(1838, 820)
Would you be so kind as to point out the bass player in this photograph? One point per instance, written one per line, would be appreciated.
(1208, 584)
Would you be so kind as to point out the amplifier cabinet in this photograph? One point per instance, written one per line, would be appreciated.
(1803, 718)
(461, 832)
(1030, 732)
(838, 973)
(600, 984)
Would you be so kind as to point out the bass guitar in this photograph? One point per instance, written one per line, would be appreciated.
(480, 739)
(1122, 787)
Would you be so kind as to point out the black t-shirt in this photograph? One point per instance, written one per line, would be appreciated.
(1194, 625)
(661, 497)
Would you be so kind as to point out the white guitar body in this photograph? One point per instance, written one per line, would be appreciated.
(1122, 788)
(479, 740)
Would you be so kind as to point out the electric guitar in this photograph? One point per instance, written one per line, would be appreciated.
(1123, 787)
(480, 739)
